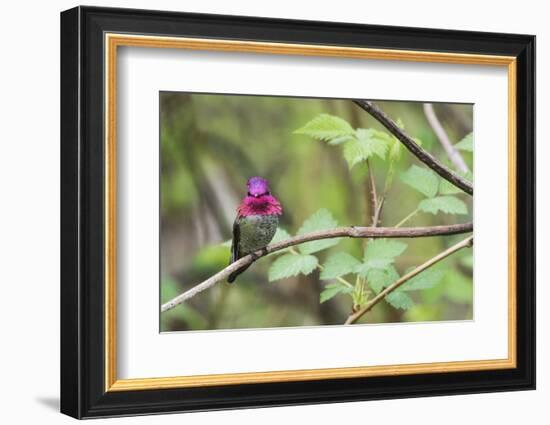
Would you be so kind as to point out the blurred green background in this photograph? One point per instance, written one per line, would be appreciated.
(211, 145)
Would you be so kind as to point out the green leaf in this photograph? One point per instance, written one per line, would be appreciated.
(339, 264)
(289, 265)
(333, 289)
(467, 143)
(369, 142)
(395, 150)
(445, 204)
(280, 235)
(384, 249)
(421, 179)
(321, 220)
(447, 188)
(380, 278)
(398, 299)
(341, 139)
(353, 153)
(379, 254)
(326, 127)
(424, 280)
(375, 141)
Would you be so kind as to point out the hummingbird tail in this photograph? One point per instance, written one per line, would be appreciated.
(234, 275)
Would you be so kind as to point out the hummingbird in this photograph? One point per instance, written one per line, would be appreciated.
(256, 222)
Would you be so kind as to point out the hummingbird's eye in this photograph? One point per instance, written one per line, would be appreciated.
(267, 193)
(249, 194)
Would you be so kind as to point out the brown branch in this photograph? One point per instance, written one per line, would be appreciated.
(339, 232)
(450, 150)
(468, 242)
(414, 148)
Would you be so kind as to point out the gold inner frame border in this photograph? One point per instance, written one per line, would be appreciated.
(113, 41)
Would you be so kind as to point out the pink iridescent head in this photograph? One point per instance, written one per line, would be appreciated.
(257, 187)
(258, 200)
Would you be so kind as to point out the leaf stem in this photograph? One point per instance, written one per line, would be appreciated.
(411, 215)
(339, 278)
(320, 267)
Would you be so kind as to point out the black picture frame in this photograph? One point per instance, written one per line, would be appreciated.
(83, 392)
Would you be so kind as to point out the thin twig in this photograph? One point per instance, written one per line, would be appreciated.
(452, 152)
(414, 148)
(407, 218)
(373, 194)
(338, 278)
(376, 218)
(339, 232)
(468, 242)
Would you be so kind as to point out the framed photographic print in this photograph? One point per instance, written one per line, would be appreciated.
(261, 212)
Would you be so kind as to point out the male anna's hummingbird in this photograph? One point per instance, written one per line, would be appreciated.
(256, 222)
